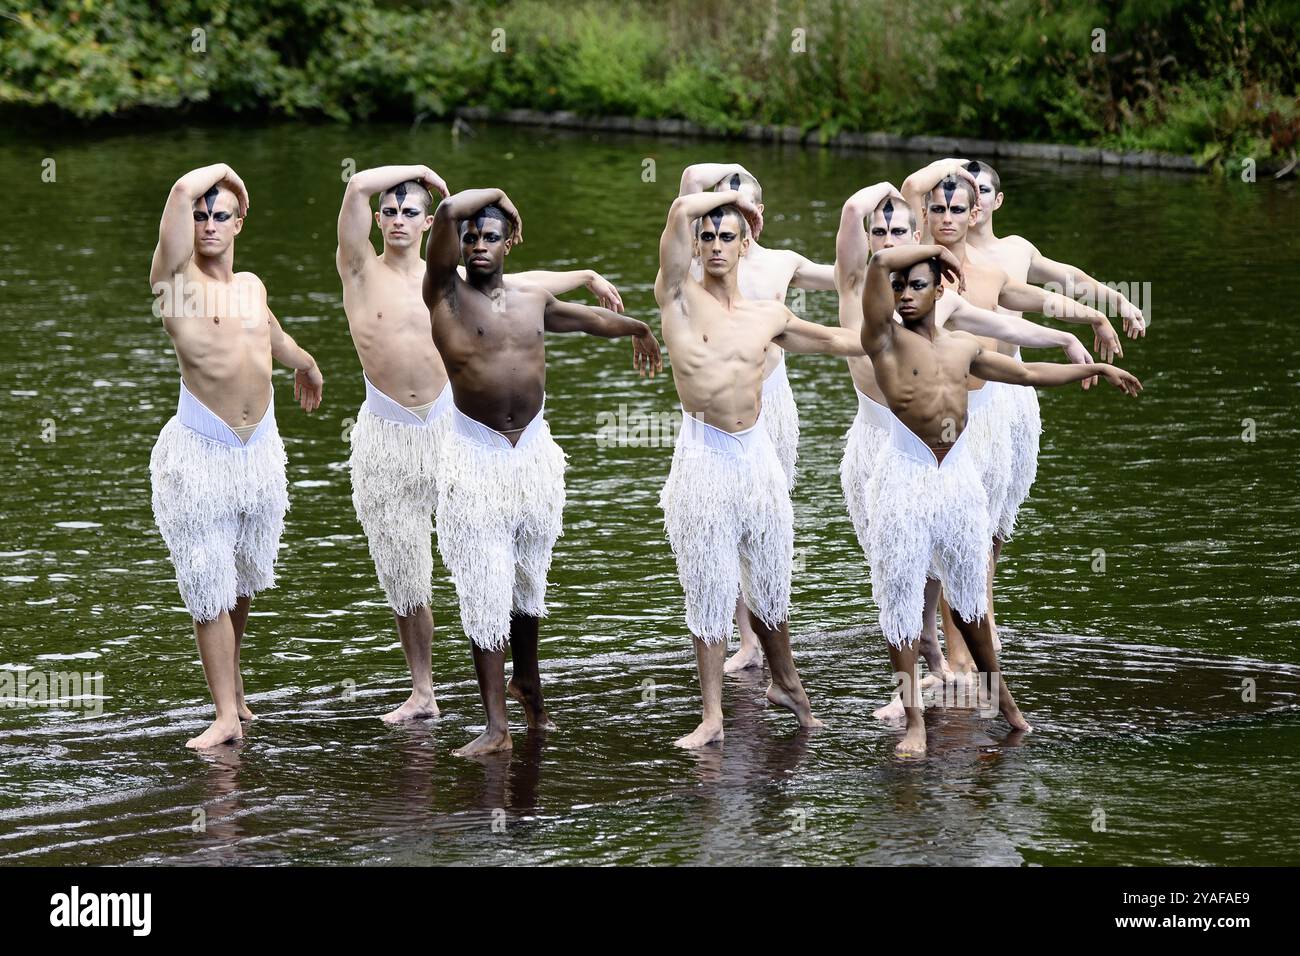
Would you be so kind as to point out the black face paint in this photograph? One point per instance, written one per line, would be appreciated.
(973, 168)
(400, 193)
(716, 218)
(888, 210)
(735, 181)
(949, 187)
(210, 198)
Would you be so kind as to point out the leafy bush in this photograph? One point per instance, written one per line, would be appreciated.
(1211, 77)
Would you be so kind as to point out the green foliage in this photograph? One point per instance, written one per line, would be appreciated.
(1210, 77)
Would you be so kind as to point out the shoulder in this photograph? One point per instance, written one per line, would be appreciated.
(1019, 244)
(251, 278)
(963, 339)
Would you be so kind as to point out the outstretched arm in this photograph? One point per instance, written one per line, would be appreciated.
(812, 275)
(701, 177)
(677, 241)
(808, 338)
(443, 250)
(572, 317)
(878, 295)
(308, 383)
(558, 283)
(1021, 297)
(176, 229)
(354, 248)
(1009, 328)
(1078, 284)
(995, 367)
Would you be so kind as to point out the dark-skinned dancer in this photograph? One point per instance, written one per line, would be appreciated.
(501, 477)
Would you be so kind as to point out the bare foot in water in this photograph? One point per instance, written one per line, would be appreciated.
(893, 711)
(534, 712)
(244, 713)
(913, 742)
(794, 701)
(221, 732)
(488, 742)
(743, 659)
(707, 733)
(416, 707)
(1013, 715)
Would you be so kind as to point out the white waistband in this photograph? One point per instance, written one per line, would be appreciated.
(197, 417)
(979, 397)
(381, 406)
(481, 434)
(872, 411)
(909, 443)
(778, 375)
(696, 432)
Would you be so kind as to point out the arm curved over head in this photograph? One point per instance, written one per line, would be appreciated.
(921, 183)
(573, 317)
(442, 253)
(354, 249)
(176, 228)
(676, 244)
(702, 177)
(878, 325)
(852, 244)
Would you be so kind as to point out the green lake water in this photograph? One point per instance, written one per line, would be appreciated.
(1132, 675)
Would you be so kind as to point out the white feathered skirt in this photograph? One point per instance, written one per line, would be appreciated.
(394, 466)
(1026, 434)
(863, 444)
(727, 513)
(781, 419)
(500, 511)
(927, 521)
(220, 504)
(990, 415)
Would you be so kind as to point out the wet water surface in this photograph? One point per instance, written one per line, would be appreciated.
(1148, 600)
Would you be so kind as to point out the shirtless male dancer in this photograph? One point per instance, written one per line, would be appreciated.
(1004, 423)
(399, 432)
(892, 224)
(501, 476)
(763, 274)
(929, 516)
(218, 467)
(727, 502)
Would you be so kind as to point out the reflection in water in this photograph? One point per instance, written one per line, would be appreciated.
(1162, 689)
